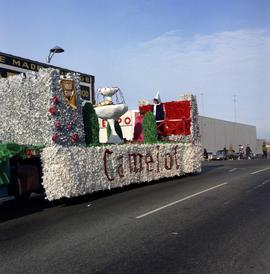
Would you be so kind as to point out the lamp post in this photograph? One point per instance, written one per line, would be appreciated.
(54, 50)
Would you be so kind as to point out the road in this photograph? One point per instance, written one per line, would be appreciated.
(215, 222)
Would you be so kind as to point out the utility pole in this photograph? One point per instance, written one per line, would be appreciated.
(234, 102)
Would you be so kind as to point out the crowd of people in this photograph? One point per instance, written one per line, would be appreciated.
(243, 153)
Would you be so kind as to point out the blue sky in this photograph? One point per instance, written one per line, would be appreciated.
(214, 48)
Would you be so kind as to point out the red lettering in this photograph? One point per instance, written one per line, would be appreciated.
(120, 120)
(107, 151)
(149, 160)
(168, 161)
(103, 123)
(120, 168)
(157, 158)
(175, 157)
(127, 120)
(133, 165)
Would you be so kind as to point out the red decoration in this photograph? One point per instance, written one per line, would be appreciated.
(69, 127)
(176, 118)
(177, 110)
(55, 100)
(75, 138)
(55, 138)
(145, 108)
(52, 110)
(57, 124)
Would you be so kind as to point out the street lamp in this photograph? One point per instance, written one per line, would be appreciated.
(54, 50)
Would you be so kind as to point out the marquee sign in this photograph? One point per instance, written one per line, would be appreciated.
(10, 65)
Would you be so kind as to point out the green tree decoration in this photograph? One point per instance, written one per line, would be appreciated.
(149, 128)
(91, 126)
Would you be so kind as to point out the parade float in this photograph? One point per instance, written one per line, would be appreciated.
(42, 120)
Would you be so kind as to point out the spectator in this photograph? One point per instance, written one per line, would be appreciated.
(241, 152)
(205, 154)
(264, 150)
(248, 152)
(225, 153)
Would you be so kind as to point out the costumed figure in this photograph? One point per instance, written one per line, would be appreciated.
(158, 112)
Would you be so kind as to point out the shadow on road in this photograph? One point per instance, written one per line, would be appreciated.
(210, 167)
(13, 209)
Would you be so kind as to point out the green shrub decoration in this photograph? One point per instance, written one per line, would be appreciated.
(91, 126)
(149, 128)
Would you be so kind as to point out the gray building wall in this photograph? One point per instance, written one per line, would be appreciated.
(215, 134)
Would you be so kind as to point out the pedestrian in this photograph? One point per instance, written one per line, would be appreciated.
(225, 153)
(248, 152)
(205, 154)
(264, 150)
(241, 152)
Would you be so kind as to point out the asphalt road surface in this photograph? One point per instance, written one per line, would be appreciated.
(215, 222)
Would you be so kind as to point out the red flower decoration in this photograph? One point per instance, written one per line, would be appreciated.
(75, 138)
(69, 127)
(57, 124)
(55, 138)
(52, 110)
(55, 100)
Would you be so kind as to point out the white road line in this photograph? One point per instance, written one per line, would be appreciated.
(234, 169)
(262, 184)
(228, 202)
(179, 201)
(255, 172)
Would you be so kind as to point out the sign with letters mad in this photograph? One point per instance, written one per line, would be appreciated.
(10, 65)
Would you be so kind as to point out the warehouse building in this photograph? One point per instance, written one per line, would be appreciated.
(217, 134)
